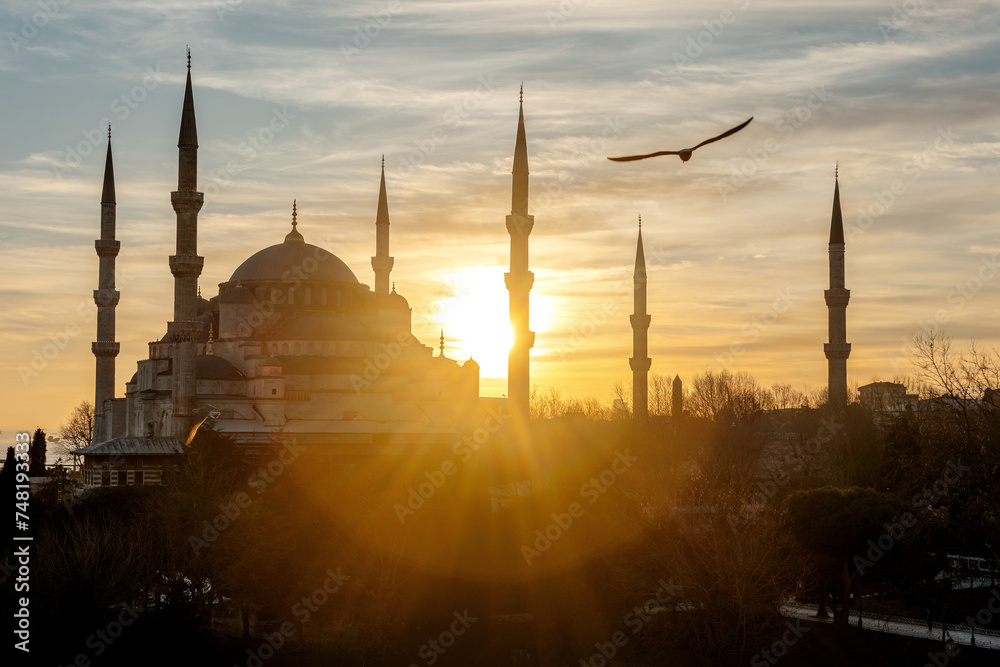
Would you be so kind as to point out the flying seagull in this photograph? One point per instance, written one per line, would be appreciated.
(685, 153)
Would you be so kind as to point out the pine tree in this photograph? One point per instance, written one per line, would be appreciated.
(37, 466)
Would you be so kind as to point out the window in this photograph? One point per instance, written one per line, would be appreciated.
(138, 477)
(122, 478)
(274, 392)
(105, 478)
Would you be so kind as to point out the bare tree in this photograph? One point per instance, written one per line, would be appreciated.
(77, 432)
(660, 388)
(736, 393)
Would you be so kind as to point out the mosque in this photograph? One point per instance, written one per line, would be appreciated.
(292, 349)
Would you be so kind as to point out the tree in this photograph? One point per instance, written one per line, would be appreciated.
(719, 394)
(78, 431)
(37, 466)
(835, 525)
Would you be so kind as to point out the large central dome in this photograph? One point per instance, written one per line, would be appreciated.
(293, 260)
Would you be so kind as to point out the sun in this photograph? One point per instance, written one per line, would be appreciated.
(474, 317)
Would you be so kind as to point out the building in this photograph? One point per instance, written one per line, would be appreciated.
(292, 348)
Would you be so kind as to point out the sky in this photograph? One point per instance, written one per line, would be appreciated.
(300, 100)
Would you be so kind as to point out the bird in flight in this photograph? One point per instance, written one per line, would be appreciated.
(685, 153)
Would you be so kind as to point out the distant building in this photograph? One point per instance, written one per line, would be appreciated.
(292, 348)
(887, 397)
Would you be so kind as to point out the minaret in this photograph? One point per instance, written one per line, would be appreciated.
(838, 349)
(382, 262)
(677, 399)
(519, 279)
(106, 297)
(185, 330)
(640, 361)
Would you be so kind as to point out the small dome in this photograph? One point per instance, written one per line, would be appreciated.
(271, 361)
(211, 367)
(471, 364)
(236, 294)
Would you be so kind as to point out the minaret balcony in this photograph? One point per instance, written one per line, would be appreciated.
(837, 297)
(519, 281)
(637, 364)
(639, 320)
(184, 332)
(106, 297)
(520, 225)
(105, 348)
(186, 266)
(107, 247)
(837, 350)
(187, 200)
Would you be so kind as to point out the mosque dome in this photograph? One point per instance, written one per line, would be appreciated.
(293, 260)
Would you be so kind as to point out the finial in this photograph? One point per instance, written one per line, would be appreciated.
(239, 282)
(294, 213)
(393, 286)
(210, 349)
(640, 221)
(442, 342)
(199, 291)
(109, 129)
(522, 93)
(383, 160)
(189, 57)
(836, 170)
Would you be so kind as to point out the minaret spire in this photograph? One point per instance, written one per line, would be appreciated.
(185, 331)
(382, 262)
(519, 279)
(837, 297)
(640, 361)
(106, 348)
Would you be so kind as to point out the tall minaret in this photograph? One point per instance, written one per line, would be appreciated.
(106, 297)
(382, 262)
(838, 349)
(640, 362)
(519, 279)
(186, 266)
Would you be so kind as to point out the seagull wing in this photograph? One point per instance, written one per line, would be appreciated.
(631, 158)
(726, 133)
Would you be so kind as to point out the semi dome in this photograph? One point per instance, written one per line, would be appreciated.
(293, 261)
(211, 367)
